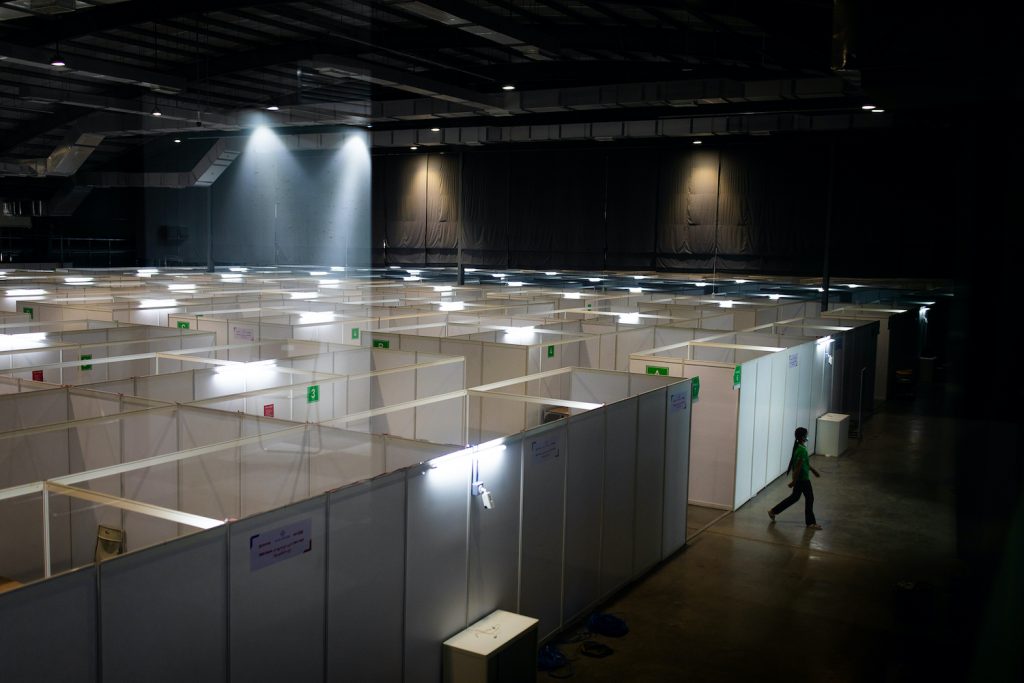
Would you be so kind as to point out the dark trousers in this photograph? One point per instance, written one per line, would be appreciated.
(800, 487)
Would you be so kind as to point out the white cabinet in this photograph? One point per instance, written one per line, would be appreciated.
(500, 648)
(833, 434)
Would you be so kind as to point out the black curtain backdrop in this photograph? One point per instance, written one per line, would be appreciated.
(485, 200)
(759, 207)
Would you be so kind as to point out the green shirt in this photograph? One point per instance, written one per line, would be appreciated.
(802, 463)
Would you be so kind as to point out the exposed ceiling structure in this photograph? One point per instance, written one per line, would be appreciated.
(477, 71)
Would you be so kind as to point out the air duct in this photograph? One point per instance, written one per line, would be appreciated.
(65, 160)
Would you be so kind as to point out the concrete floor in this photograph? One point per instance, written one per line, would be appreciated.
(869, 597)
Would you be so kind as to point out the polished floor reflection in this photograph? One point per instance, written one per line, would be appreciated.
(869, 597)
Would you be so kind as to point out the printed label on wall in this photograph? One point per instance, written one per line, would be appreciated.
(246, 334)
(382, 343)
(276, 545)
(86, 356)
(655, 370)
(37, 375)
(677, 400)
(551, 351)
(268, 410)
(355, 333)
(313, 394)
(183, 324)
(794, 359)
(544, 448)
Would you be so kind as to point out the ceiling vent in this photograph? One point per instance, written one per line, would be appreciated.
(52, 6)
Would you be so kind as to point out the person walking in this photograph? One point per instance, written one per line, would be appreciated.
(800, 466)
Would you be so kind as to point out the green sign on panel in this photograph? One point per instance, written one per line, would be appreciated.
(551, 351)
(313, 393)
(355, 333)
(382, 343)
(737, 374)
(694, 389)
(86, 356)
(31, 313)
(655, 370)
(183, 324)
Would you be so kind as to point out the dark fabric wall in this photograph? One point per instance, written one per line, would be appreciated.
(762, 206)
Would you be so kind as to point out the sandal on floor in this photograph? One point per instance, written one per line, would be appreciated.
(816, 527)
(772, 515)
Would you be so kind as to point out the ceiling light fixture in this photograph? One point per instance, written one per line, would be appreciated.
(698, 142)
(435, 130)
(414, 148)
(273, 107)
(508, 87)
(57, 60)
(177, 141)
(877, 111)
(867, 106)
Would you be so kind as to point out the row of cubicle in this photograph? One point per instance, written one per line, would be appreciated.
(306, 473)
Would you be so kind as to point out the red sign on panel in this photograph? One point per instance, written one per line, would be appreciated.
(37, 375)
(268, 410)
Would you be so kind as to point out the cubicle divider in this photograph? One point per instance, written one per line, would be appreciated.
(374, 574)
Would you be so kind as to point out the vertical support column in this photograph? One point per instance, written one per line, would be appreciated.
(209, 228)
(828, 224)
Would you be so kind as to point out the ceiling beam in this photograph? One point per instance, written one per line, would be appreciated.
(110, 72)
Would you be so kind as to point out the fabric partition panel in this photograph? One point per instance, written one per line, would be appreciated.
(639, 384)
(183, 588)
(142, 437)
(805, 365)
(436, 551)
(276, 471)
(744, 488)
(392, 389)
(791, 402)
(678, 410)
(400, 453)
(494, 533)
(85, 405)
(31, 634)
(366, 580)
(544, 451)
(713, 439)
(665, 336)
(628, 343)
(21, 537)
(339, 457)
(412, 342)
(290, 586)
(584, 473)
(650, 471)
(597, 386)
(90, 447)
(779, 438)
(210, 484)
(472, 352)
(619, 495)
(18, 411)
(126, 387)
(759, 472)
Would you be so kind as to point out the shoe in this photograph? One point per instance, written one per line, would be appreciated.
(814, 526)
(772, 515)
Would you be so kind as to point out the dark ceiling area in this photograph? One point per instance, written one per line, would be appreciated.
(459, 72)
